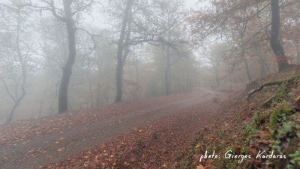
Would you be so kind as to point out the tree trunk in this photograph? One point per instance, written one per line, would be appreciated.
(67, 69)
(274, 40)
(119, 80)
(91, 94)
(263, 65)
(137, 87)
(217, 76)
(120, 57)
(98, 94)
(167, 85)
(167, 72)
(12, 111)
(247, 70)
(298, 52)
(247, 66)
(24, 74)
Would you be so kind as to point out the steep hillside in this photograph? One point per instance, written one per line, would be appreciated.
(263, 132)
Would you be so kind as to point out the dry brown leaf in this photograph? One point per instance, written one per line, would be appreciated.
(126, 164)
(96, 159)
(30, 151)
(200, 167)
(132, 160)
(60, 149)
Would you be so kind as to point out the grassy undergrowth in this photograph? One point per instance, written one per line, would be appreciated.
(261, 133)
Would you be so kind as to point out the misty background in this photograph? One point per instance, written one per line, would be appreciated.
(163, 54)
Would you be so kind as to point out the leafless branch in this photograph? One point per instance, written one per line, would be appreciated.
(7, 90)
(53, 10)
(82, 8)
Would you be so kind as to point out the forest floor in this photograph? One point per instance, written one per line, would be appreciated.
(145, 133)
(262, 133)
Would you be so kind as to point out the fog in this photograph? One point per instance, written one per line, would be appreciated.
(92, 53)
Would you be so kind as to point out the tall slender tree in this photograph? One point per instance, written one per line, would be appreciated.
(123, 50)
(70, 9)
(135, 30)
(18, 53)
(222, 19)
(274, 40)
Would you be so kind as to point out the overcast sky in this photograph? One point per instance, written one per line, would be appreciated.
(100, 20)
(190, 3)
(97, 18)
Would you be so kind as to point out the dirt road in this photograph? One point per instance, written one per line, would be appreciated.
(34, 143)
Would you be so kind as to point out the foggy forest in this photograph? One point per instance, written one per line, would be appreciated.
(149, 84)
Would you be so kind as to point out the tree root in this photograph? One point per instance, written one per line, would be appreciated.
(270, 84)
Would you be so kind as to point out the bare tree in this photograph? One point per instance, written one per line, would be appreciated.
(68, 20)
(21, 56)
(123, 50)
(136, 31)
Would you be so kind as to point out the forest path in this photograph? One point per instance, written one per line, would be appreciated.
(34, 143)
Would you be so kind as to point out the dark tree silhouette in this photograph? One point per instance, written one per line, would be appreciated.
(274, 40)
(123, 50)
